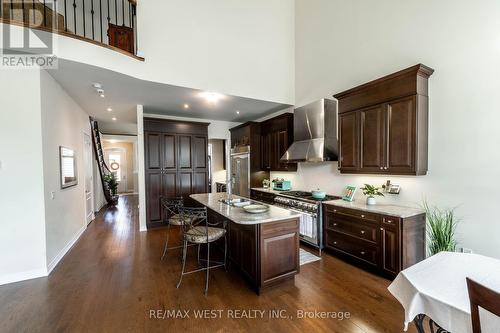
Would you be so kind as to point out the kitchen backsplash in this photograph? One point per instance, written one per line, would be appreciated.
(326, 176)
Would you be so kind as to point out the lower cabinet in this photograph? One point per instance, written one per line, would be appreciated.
(385, 244)
(266, 254)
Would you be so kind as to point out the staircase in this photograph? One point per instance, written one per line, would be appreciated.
(101, 163)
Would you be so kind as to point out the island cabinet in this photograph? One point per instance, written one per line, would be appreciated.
(266, 254)
(383, 124)
(383, 243)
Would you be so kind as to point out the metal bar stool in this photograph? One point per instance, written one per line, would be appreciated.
(198, 231)
(171, 208)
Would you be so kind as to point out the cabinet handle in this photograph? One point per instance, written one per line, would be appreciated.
(363, 253)
(382, 229)
(381, 168)
(362, 232)
(335, 243)
(334, 210)
(388, 221)
(335, 224)
(362, 216)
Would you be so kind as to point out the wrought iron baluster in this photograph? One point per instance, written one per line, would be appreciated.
(83, 15)
(129, 14)
(65, 17)
(109, 17)
(44, 14)
(116, 12)
(54, 17)
(123, 12)
(134, 15)
(34, 16)
(74, 16)
(1, 9)
(92, 12)
(100, 16)
(22, 7)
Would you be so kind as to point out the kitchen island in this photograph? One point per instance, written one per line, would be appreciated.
(264, 247)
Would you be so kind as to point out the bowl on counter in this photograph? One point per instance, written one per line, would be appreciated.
(318, 194)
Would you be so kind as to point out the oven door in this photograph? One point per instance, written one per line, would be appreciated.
(308, 226)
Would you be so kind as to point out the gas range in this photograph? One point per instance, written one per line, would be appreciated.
(311, 222)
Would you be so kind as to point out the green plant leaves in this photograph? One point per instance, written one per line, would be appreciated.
(371, 190)
(441, 228)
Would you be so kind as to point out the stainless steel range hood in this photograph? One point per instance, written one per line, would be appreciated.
(315, 133)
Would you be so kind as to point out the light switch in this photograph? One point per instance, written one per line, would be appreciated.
(52, 195)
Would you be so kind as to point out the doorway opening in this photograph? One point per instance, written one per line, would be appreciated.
(120, 153)
(217, 165)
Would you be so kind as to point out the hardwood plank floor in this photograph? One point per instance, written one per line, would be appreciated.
(113, 278)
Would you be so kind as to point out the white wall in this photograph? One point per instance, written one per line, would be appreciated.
(340, 44)
(241, 48)
(63, 124)
(22, 236)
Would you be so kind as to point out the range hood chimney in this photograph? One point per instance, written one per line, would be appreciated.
(315, 133)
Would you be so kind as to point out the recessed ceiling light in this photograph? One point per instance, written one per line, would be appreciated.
(97, 85)
(211, 97)
(102, 95)
(186, 106)
(112, 141)
(114, 118)
(237, 111)
(109, 109)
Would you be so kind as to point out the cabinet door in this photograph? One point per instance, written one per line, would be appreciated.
(401, 137)
(169, 158)
(283, 142)
(169, 184)
(185, 184)
(266, 151)
(349, 143)
(390, 246)
(185, 152)
(153, 154)
(373, 139)
(234, 243)
(248, 250)
(200, 182)
(153, 193)
(200, 144)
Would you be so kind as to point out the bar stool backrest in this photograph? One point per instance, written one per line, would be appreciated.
(171, 206)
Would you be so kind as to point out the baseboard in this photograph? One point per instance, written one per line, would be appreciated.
(65, 250)
(22, 276)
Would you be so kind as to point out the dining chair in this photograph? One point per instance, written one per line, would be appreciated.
(171, 209)
(197, 230)
(481, 296)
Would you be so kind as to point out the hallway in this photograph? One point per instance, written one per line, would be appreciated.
(113, 280)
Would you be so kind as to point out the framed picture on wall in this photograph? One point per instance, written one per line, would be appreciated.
(349, 192)
(67, 160)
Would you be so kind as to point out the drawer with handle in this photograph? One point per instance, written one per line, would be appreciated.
(390, 221)
(352, 246)
(353, 215)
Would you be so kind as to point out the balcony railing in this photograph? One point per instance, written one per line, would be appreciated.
(110, 23)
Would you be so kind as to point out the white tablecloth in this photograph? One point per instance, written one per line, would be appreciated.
(437, 288)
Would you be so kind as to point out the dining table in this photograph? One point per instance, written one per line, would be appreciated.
(436, 288)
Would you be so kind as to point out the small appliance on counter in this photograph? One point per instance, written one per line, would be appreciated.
(282, 185)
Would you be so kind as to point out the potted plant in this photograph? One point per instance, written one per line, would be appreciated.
(441, 227)
(112, 184)
(371, 191)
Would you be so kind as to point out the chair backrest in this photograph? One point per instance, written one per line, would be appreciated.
(171, 205)
(481, 296)
(193, 216)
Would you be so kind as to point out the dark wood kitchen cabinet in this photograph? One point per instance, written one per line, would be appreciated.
(383, 124)
(176, 163)
(277, 136)
(384, 244)
(249, 134)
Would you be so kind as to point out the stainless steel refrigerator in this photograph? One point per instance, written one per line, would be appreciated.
(240, 170)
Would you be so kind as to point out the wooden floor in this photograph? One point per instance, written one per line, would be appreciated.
(112, 280)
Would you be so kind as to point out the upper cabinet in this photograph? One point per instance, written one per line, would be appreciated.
(383, 124)
(277, 136)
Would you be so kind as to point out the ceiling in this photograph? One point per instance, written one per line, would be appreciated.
(123, 93)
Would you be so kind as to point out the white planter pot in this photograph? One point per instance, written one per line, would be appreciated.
(371, 201)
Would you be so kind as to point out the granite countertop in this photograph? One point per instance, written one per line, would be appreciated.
(238, 214)
(387, 209)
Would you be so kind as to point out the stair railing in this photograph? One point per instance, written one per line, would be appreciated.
(101, 162)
